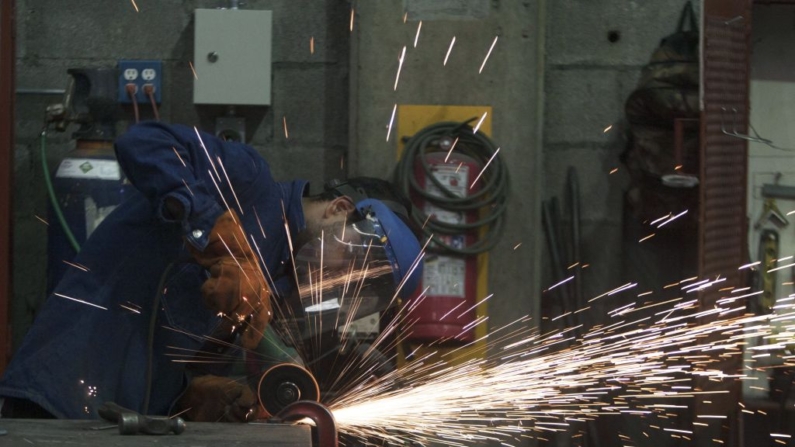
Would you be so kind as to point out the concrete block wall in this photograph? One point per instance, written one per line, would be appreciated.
(310, 92)
(509, 83)
(594, 54)
(586, 80)
(595, 51)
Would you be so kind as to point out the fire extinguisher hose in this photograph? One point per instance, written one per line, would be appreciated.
(488, 202)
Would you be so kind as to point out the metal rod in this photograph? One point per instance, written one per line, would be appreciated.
(778, 191)
(40, 91)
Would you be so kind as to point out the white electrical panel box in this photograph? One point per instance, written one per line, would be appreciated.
(232, 57)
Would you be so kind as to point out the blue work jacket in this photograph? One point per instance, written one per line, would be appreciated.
(76, 355)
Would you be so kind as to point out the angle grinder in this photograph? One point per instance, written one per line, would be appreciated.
(284, 384)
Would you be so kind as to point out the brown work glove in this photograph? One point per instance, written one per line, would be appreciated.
(236, 285)
(216, 399)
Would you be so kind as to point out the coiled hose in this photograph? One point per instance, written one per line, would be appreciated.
(488, 202)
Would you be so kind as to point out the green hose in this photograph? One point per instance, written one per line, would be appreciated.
(51, 192)
(488, 203)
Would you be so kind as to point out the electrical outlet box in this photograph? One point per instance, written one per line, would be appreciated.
(140, 74)
(232, 57)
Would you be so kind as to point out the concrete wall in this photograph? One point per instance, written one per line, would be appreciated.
(594, 55)
(557, 78)
(309, 90)
(772, 112)
(509, 83)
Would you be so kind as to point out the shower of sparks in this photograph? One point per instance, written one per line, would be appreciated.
(259, 222)
(400, 66)
(482, 118)
(80, 301)
(452, 147)
(427, 218)
(178, 156)
(391, 120)
(229, 182)
(672, 219)
(607, 129)
(647, 237)
(315, 290)
(137, 311)
(207, 153)
(613, 171)
(284, 123)
(75, 265)
(134, 5)
(488, 54)
(42, 220)
(781, 268)
(659, 219)
(312, 45)
(742, 267)
(484, 168)
(195, 75)
(352, 15)
(561, 283)
(417, 37)
(218, 188)
(188, 187)
(543, 383)
(614, 291)
(449, 50)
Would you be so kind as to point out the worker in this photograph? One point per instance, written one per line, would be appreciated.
(201, 250)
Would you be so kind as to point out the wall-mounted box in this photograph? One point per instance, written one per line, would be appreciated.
(232, 57)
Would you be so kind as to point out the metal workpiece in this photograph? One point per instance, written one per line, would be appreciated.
(83, 434)
(326, 427)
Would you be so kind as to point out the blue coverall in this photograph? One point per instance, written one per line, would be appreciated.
(77, 356)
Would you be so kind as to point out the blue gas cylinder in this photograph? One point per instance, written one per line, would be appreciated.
(88, 185)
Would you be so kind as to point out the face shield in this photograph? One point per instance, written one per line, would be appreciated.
(354, 269)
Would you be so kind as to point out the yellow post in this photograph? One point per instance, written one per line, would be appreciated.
(410, 120)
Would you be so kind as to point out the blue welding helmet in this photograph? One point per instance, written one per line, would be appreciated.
(357, 267)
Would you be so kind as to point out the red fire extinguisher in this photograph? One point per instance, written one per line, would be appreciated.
(459, 187)
(444, 307)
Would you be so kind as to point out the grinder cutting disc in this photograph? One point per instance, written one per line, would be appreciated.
(284, 384)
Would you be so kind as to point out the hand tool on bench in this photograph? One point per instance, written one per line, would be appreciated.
(131, 422)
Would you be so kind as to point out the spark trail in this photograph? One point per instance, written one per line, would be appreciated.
(536, 384)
